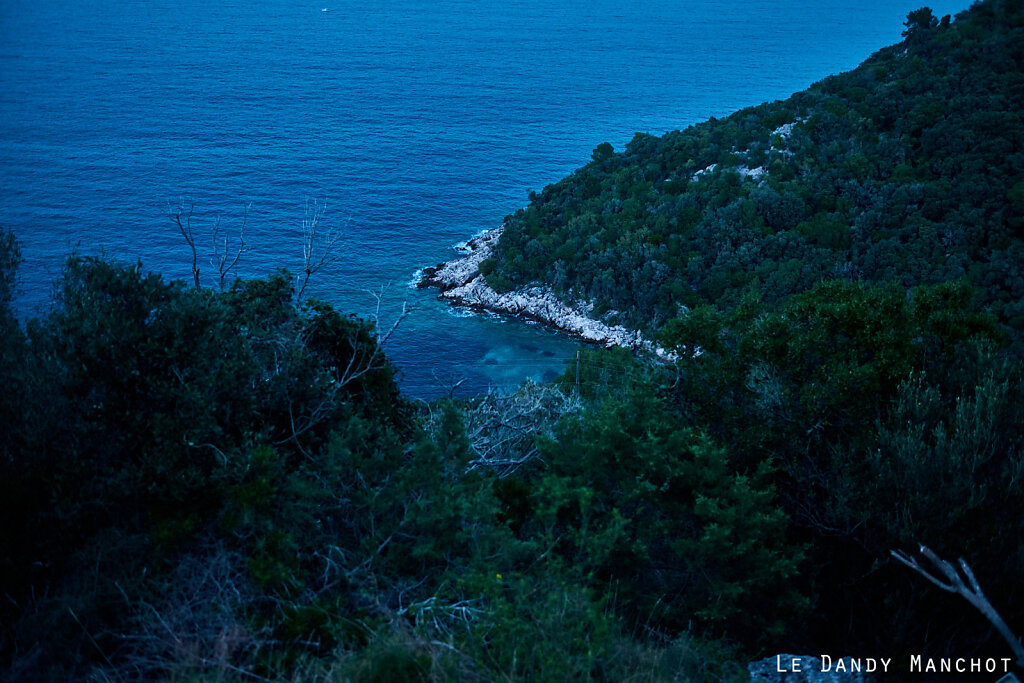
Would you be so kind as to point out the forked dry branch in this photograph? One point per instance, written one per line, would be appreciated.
(970, 589)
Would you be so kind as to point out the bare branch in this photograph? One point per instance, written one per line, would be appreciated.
(973, 593)
(450, 382)
(222, 260)
(317, 249)
(406, 310)
(364, 358)
(502, 428)
(196, 623)
(176, 214)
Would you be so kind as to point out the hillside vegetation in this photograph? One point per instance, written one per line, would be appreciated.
(228, 485)
(908, 169)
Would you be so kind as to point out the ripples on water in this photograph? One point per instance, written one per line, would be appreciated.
(421, 122)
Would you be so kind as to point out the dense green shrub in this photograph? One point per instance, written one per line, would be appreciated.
(659, 513)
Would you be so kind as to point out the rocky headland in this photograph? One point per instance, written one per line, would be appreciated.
(462, 284)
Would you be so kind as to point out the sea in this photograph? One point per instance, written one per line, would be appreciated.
(403, 127)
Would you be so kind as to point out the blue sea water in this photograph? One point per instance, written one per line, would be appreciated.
(418, 122)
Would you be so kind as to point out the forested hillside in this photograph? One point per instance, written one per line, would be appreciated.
(228, 485)
(908, 169)
(842, 274)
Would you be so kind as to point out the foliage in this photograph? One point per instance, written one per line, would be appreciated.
(903, 170)
(223, 484)
(156, 420)
(891, 418)
(840, 275)
(660, 513)
(201, 484)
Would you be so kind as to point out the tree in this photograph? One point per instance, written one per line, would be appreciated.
(603, 152)
(317, 247)
(919, 20)
(10, 257)
(224, 258)
(666, 516)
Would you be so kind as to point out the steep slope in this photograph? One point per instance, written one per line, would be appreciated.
(908, 169)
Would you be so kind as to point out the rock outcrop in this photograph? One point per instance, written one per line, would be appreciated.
(462, 284)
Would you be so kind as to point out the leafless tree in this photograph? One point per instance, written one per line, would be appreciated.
(223, 259)
(449, 380)
(954, 582)
(318, 247)
(182, 217)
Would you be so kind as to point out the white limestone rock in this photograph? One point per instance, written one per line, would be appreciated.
(461, 283)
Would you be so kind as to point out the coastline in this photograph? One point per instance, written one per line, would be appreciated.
(462, 284)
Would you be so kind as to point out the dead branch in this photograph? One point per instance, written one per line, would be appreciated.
(317, 249)
(954, 582)
(222, 260)
(502, 428)
(451, 382)
(406, 310)
(196, 624)
(176, 214)
(365, 358)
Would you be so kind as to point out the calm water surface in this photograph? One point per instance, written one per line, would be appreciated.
(418, 122)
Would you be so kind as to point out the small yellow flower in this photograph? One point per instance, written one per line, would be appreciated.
(498, 575)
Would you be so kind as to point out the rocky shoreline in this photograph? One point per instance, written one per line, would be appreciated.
(462, 284)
